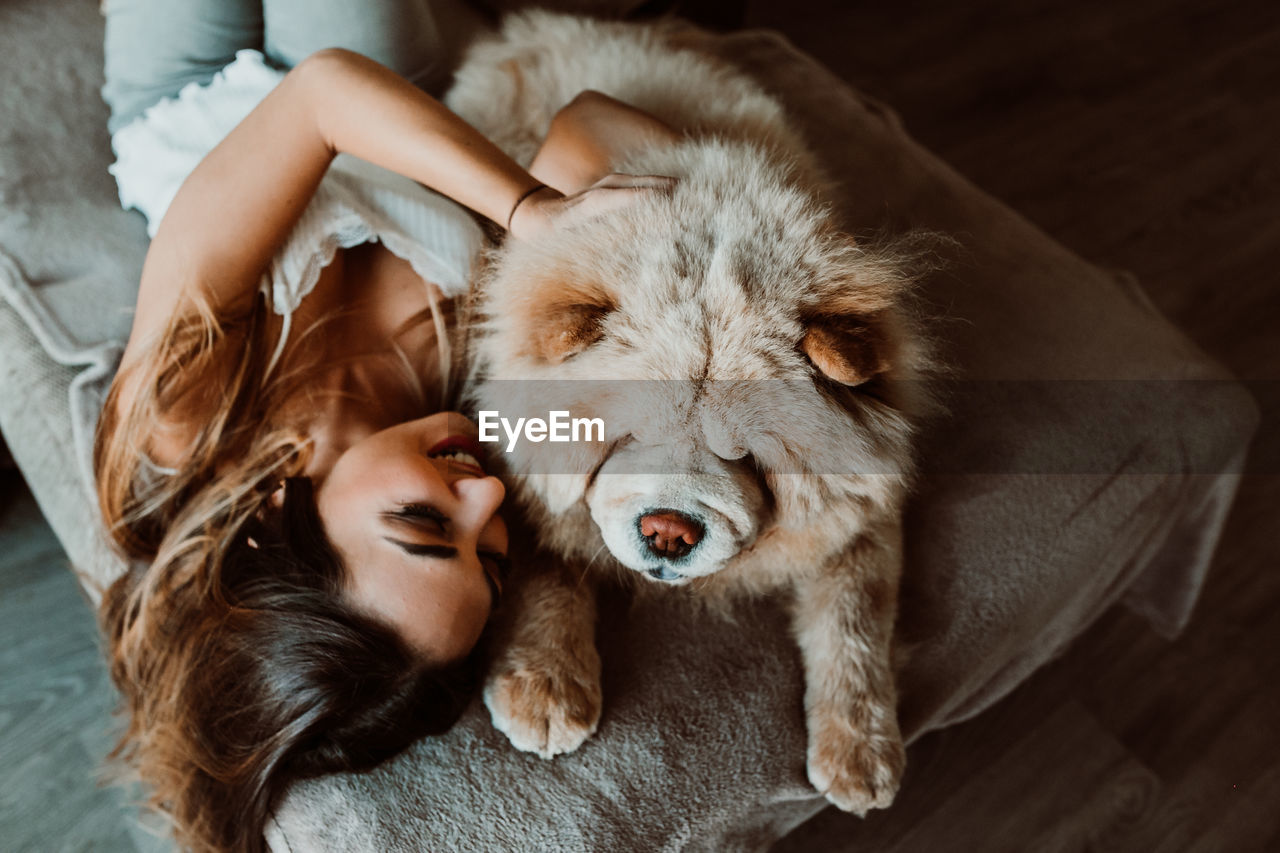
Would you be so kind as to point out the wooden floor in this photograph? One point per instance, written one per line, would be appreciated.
(1141, 133)
(55, 699)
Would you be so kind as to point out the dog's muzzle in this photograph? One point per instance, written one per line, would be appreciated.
(673, 516)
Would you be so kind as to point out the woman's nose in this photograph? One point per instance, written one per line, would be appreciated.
(481, 496)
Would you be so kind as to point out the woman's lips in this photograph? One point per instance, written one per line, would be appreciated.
(463, 444)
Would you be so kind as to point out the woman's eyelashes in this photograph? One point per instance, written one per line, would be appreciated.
(434, 521)
(422, 515)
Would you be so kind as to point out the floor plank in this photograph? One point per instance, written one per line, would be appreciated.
(55, 699)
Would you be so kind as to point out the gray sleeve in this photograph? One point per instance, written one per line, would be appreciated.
(418, 39)
(153, 48)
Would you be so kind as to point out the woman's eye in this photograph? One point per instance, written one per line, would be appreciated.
(421, 512)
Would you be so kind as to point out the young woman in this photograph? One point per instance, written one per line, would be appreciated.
(316, 544)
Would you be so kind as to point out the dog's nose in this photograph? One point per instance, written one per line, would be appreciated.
(670, 534)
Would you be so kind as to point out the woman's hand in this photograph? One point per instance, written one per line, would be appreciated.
(547, 209)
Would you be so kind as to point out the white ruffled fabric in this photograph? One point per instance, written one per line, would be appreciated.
(357, 202)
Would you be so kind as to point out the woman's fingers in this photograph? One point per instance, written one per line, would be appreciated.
(543, 212)
(618, 181)
(612, 193)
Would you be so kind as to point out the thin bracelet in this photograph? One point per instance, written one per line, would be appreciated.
(520, 201)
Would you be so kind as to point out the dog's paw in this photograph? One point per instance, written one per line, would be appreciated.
(856, 771)
(544, 710)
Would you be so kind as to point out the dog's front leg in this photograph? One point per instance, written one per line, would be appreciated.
(844, 624)
(543, 689)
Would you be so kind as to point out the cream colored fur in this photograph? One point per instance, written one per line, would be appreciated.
(754, 369)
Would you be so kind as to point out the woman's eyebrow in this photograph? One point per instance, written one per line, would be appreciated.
(447, 552)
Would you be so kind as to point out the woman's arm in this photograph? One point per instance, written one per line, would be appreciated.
(590, 136)
(239, 204)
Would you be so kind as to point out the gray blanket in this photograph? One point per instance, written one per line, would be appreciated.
(1088, 457)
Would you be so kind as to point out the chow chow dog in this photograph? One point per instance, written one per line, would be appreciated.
(752, 367)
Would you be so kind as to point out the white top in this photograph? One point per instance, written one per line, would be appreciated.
(357, 202)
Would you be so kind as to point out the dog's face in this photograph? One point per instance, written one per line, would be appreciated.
(735, 347)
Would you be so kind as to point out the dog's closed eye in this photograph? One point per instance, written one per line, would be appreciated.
(847, 349)
(567, 330)
(558, 315)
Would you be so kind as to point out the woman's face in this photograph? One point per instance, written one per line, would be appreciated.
(415, 520)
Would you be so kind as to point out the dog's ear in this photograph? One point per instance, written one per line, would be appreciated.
(848, 348)
(564, 330)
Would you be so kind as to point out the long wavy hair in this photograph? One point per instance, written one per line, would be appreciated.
(240, 665)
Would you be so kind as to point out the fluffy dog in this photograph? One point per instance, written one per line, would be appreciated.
(751, 365)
